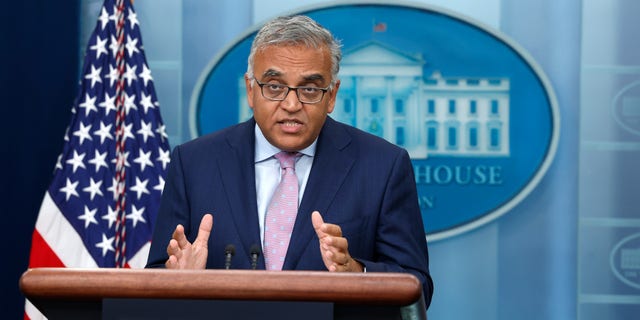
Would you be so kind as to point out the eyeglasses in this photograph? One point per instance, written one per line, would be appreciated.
(279, 92)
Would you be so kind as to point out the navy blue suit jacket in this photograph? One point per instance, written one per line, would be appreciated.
(358, 181)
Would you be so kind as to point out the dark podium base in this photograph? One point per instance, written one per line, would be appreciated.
(158, 309)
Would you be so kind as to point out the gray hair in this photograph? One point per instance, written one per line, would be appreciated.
(296, 30)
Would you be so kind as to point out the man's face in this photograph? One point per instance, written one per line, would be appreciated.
(289, 124)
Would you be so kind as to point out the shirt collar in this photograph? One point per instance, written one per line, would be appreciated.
(265, 150)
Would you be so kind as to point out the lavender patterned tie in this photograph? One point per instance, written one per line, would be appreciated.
(281, 213)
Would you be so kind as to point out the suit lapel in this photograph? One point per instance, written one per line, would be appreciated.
(331, 164)
(238, 177)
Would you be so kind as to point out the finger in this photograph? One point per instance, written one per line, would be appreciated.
(332, 229)
(316, 220)
(172, 263)
(342, 267)
(179, 236)
(339, 244)
(339, 258)
(174, 249)
(318, 224)
(204, 231)
(336, 267)
(323, 228)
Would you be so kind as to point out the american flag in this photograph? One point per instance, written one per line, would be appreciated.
(100, 208)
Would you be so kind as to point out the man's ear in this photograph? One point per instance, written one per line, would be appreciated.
(332, 96)
(249, 89)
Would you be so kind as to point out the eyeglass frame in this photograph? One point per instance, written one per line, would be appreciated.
(262, 84)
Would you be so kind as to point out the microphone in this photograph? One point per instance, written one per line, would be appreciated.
(229, 251)
(255, 252)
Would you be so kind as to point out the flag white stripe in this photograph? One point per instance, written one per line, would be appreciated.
(61, 237)
(32, 312)
(139, 260)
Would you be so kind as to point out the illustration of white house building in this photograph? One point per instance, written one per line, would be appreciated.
(383, 91)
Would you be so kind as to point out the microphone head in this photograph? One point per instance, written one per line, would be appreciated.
(230, 249)
(255, 249)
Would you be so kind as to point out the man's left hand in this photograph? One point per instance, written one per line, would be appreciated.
(333, 246)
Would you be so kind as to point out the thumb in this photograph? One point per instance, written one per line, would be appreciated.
(206, 224)
(317, 221)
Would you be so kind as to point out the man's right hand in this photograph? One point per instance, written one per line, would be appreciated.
(186, 255)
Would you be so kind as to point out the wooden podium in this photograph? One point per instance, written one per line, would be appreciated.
(67, 293)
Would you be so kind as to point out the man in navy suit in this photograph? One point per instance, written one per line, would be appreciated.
(358, 209)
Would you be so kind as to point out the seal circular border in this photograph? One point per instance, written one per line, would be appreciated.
(614, 113)
(526, 57)
(612, 265)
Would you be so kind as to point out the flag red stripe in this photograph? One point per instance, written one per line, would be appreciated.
(41, 253)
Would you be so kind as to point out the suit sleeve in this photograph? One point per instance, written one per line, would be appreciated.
(174, 210)
(400, 238)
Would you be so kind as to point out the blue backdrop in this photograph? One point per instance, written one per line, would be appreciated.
(567, 251)
(40, 57)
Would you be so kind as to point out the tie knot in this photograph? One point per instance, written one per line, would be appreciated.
(287, 159)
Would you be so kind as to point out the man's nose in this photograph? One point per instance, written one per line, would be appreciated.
(291, 102)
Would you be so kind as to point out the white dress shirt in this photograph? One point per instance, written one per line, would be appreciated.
(268, 173)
